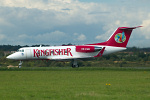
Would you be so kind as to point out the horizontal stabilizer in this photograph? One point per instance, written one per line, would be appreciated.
(129, 28)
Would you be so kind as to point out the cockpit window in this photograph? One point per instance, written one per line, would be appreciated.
(20, 50)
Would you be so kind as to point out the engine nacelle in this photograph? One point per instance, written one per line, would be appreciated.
(87, 49)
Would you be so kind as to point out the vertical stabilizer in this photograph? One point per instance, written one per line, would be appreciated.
(120, 37)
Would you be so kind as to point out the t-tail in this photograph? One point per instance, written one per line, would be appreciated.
(119, 38)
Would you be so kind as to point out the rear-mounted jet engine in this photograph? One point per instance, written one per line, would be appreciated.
(87, 49)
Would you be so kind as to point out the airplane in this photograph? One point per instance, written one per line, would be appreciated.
(116, 42)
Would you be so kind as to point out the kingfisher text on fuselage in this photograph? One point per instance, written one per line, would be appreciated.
(52, 52)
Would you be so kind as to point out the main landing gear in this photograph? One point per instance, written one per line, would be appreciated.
(74, 63)
(19, 66)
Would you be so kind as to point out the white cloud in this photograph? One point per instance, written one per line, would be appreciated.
(99, 37)
(45, 37)
(146, 28)
(53, 36)
(4, 22)
(56, 37)
(26, 20)
(79, 37)
(23, 36)
(40, 4)
(65, 11)
(2, 37)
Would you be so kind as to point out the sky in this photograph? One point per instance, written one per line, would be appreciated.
(56, 22)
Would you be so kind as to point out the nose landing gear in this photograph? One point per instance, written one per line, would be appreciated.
(19, 66)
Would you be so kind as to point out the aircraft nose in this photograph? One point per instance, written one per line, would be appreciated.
(10, 57)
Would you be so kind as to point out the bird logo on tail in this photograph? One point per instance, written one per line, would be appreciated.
(120, 37)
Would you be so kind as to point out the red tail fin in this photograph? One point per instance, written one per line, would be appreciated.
(119, 38)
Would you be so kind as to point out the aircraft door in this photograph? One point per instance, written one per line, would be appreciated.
(28, 54)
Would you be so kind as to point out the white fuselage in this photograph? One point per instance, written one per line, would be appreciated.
(58, 53)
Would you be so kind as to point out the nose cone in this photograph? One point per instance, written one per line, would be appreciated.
(16, 56)
(10, 57)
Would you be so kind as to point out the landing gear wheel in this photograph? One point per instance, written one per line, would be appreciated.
(75, 66)
(19, 66)
(74, 63)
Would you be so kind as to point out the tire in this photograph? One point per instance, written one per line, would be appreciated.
(75, 66)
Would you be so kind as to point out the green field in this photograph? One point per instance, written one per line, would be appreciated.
(75, 84)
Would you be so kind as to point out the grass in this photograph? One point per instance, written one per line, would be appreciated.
(74, 84)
